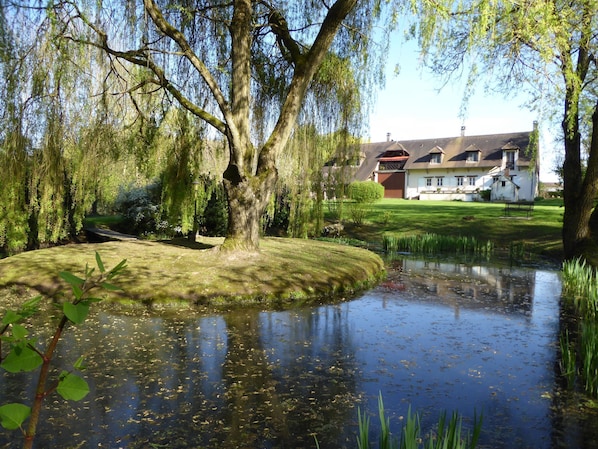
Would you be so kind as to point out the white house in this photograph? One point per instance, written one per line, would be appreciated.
(456, 168)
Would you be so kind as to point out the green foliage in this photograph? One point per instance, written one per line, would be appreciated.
(365, 192)
(448, 435)
(140, 211)
(430, 244)
(579, 349)
(214, 219)
(24, 354)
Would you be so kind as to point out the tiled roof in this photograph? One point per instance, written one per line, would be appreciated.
(455, 150)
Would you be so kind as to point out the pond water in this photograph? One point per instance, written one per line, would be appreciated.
(433, 337)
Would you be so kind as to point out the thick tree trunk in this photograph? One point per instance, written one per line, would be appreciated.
(579, 190)
(247, 200)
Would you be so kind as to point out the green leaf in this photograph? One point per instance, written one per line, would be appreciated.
(75, 282)
(31, 303)
(21, 358)
(76, 312)
(117, 269)
(19, 332)
(100, 263)
(72, 387)
(79, 363)
(13, 415)
(11, 317)
(109, 286)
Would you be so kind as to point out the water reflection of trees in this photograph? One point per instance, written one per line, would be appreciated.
(246, 379)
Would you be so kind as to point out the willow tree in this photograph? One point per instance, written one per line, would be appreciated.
(549, 48)
(243, 67)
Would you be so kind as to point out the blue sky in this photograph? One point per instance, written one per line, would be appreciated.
(415, 105)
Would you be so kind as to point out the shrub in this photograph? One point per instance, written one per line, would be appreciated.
(214, 220)
(140, 210)
(365, 192)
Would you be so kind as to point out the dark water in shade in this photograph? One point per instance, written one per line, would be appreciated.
(434, 337)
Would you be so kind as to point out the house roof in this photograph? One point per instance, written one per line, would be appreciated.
(372, 153)
(455, 150)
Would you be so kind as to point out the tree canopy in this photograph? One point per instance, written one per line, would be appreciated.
(247, 72)
(549, 48)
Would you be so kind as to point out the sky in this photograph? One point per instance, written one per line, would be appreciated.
(415, 105)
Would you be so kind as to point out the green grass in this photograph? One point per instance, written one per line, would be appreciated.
(171, 275)
(540, 234)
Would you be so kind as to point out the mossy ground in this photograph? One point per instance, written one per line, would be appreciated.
(172, 274)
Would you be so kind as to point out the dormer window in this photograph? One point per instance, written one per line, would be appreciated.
(509, 155)
(436, 155)
(510, 160)
(473, 156)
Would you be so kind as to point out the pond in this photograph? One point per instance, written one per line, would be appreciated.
(433, 337)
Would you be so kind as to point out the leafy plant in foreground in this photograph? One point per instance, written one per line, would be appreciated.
(25, 355)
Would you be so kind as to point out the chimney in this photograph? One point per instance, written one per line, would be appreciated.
(535, 125)
(388, 137)
(462, 130)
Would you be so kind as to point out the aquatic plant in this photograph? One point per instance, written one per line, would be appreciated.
(589, 356)
(448, 435)
(580, 359)
(24, 354)
(430, 244)
(580, 286)
(568, 360)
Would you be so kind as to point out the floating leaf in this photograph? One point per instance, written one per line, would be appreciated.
(21, 358)
(72, 387)
(76, 312)
(13, 415)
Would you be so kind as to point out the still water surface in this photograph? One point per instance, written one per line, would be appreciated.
(433, 336)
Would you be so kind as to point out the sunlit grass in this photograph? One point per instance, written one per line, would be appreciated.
(430, 244)
(541, 234)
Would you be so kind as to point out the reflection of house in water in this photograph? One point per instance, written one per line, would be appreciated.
(484, 288)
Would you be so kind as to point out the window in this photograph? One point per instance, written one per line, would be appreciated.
(473, 156)
(510, 157)
(459, 181)
(439, 182)
(503, 183)
(471, 180)
(435, 158)
(428, 182)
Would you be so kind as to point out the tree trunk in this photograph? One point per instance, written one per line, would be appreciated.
(248, 198)
(579, 189)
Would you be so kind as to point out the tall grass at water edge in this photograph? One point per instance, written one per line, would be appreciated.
(579, 356)
(429, 244)
(448, 434)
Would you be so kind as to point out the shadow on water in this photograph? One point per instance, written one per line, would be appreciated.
(436, 336)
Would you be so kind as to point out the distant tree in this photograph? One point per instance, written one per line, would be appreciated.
(549, 48)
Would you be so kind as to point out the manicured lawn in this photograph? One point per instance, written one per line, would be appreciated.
(541, 232)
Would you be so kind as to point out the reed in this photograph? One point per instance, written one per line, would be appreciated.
(449, 435)
(568, 364)
(430, 244)
(589, 356)
(580, 286)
